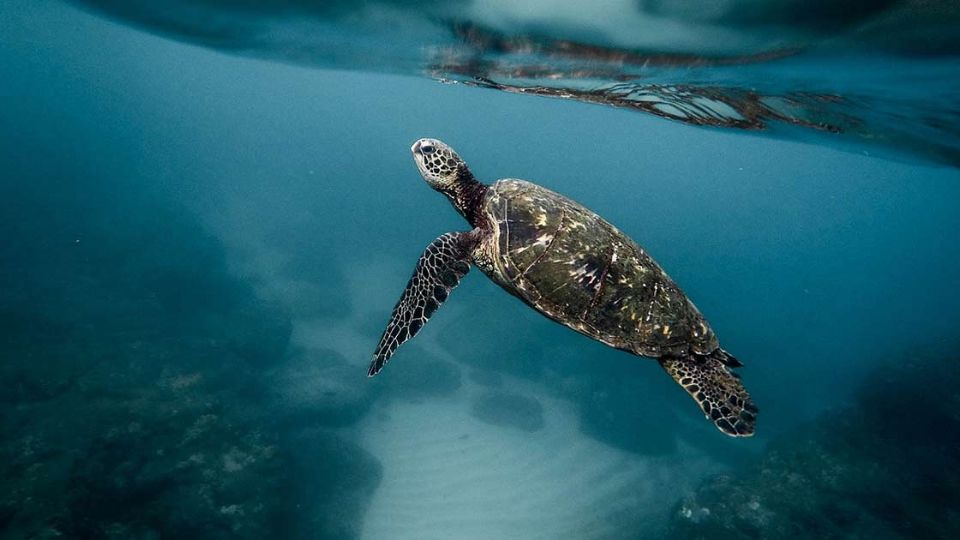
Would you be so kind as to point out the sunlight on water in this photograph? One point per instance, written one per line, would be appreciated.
(201, 251)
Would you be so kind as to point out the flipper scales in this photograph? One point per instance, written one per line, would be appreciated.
(718, 390)
(445, 261)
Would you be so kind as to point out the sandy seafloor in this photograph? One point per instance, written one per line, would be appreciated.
(200, 251)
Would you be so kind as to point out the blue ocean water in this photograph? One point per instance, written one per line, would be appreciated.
(204, 235)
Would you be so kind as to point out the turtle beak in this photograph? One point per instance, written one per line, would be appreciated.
(416, 147)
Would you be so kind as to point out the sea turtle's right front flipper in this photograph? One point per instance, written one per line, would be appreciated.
(443, 263)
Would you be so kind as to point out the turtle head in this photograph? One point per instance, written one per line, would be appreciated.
(440, 166)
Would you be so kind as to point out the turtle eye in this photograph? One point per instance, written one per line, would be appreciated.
(427, 148)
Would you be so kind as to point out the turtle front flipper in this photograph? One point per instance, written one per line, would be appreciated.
(718, 391)
(445, 261)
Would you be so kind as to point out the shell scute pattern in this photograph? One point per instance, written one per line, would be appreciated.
(533, 222)
(581, 271)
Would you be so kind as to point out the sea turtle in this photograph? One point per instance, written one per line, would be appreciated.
(571, 265)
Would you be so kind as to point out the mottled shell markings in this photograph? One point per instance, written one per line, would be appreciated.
(543, 240)
(578, 269)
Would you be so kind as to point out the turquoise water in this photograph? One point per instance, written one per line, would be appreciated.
(201, 250)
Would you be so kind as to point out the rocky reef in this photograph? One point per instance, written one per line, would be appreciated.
(887, 466)
(146, 391)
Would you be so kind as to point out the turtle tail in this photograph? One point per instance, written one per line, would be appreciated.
(718, 390)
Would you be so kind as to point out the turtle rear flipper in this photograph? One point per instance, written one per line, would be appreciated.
(719, 392)
(445, 261)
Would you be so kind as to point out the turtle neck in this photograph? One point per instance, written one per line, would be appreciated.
(467, 194)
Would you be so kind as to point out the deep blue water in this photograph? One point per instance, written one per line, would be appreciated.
(200, 250)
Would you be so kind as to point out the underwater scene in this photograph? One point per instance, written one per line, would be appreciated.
(210, 210)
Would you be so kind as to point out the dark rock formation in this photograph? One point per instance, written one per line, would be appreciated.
(886, 467)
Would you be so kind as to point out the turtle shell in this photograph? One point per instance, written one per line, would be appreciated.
(579, 270)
